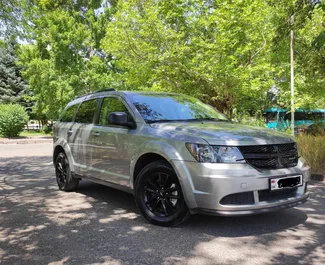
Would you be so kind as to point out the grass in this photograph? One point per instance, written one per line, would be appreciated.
(33, 133)
(25, 134)
(312, 149)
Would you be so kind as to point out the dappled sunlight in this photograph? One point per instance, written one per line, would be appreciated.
(66, 207)
(243, 250)
(107, 260)
(60, 262)
(139, 228)
(41, 225)
(117, 217)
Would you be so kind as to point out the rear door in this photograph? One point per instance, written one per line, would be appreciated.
(80, 132)
(109, 159)
(63, 127)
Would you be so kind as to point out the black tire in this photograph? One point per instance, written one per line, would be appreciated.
(159, 196)
(64, 178)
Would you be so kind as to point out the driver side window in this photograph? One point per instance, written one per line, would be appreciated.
(110, 105)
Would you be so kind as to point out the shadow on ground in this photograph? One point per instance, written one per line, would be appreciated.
(100, 225)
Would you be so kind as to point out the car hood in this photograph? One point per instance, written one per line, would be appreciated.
(226, 133)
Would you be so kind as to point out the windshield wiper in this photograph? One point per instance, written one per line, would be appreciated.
(206, 119)
(164, 120)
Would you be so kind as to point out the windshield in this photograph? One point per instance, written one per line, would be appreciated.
(169, 107)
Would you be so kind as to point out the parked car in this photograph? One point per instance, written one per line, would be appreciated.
(177, 155)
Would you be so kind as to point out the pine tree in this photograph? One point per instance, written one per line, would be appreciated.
(12, 85)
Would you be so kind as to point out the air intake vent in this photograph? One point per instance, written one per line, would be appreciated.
(238, 199)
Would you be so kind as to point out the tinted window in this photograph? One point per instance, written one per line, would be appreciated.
(271, 116)
(316, 116)
(86, 111)
(69, 113)
(110, 105)
(168, 107)
(299, 116)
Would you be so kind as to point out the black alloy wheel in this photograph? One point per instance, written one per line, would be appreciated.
(63, 174)
(159, 195)
(162, 194)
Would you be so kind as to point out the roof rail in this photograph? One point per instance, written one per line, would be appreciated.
(98, 91)
(106, 89)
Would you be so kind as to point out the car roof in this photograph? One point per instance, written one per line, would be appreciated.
(114, 92)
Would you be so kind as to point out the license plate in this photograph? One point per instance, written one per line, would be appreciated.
(286, 182)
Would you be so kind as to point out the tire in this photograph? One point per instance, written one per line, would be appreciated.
(64, 178)
(159, 196)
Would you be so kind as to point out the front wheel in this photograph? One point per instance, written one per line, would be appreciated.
(64, 178)
(159, 196)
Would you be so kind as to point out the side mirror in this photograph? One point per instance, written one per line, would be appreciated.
(121, 119)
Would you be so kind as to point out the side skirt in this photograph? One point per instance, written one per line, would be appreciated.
(105, 183)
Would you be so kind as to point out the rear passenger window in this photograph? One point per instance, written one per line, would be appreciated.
(87, 111)
(111, 105)
(69, 113)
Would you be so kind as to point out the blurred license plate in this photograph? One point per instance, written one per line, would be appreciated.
(286, 182)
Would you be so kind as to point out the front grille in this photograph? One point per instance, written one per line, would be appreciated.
(267, 195)
(271, 156)
(251, 149)
(238, 199)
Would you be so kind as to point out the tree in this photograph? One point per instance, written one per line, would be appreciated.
(12, 85)
(66, 59)
(309, 66)
(216, 50)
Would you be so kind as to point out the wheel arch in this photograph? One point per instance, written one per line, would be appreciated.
(63, 146)
(144, 160)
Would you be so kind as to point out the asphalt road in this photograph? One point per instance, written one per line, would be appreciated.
(98, 225)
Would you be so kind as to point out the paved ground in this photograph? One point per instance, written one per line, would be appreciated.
(99, 225)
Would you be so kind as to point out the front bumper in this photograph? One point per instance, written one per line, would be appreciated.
(207, 188)
(285, 205)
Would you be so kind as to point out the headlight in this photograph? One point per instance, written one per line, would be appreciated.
(215, 154)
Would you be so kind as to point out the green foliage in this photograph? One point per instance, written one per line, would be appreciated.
(309, 52)
(317, 128)
(218, 51)
(254, 120)
(46, 129)
(227, 53)
(312, 148)
(66, 59)
(12, 85)
(12, 119)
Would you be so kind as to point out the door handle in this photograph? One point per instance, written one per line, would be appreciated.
(70, 132)
(95, 134)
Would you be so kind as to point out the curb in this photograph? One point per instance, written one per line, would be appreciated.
(27, 141)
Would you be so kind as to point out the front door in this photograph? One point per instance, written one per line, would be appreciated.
(110, 158)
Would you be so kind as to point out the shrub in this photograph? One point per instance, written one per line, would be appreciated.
(12, 119)
(250, 120)
(312, 149)
(46, 129)
(317, 128)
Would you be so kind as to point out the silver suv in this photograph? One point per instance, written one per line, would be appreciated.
(177, 155)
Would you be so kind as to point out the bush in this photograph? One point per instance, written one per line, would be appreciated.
(12, 120)
(312, 149)
(250, 120)
(46, 129)
(317, 128)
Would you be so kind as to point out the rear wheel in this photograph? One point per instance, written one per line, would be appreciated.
(159, 196)
(64, 178)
